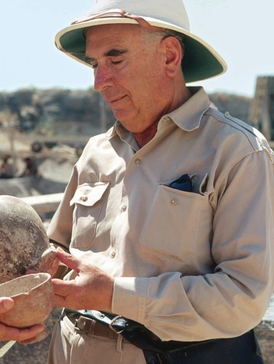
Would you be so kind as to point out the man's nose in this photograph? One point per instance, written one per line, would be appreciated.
(102, 78)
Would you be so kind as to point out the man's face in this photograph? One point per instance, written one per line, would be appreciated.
(129, 73)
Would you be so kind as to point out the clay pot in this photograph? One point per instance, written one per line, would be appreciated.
(24, 244)
(33, 297)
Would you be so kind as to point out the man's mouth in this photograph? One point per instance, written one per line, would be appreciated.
(113, 99)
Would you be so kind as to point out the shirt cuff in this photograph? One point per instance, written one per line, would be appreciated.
(129, 297)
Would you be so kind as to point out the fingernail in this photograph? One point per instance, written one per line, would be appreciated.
(8, 304)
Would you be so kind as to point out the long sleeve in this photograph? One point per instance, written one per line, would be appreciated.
(233, 297)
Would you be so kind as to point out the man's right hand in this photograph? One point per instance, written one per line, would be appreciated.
(11, 333)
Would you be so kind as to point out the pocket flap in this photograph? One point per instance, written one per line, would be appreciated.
(89, 193)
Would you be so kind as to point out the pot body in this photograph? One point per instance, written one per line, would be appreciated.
(23, 241)
(33, 300)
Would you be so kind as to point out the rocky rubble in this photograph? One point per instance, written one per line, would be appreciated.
(80, 110)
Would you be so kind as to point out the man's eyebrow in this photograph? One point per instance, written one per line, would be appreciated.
(115, 52)
(111, 53)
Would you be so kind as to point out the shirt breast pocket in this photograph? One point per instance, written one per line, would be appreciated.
(89, 203)
(171, 228)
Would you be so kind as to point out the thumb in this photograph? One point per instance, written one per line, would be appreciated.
(6, 303)
(69, 260)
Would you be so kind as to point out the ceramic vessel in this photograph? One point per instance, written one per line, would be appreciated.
(24, 244)
(33, 300)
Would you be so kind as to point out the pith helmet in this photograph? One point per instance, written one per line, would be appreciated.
(200, 61)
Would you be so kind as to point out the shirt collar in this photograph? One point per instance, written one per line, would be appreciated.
(187, 116)
(123, 133)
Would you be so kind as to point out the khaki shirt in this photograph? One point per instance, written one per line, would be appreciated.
(188, 265)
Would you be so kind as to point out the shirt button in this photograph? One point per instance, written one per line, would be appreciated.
(138, 162)
(173, 202)
(113, 254)
(83, 198)
(124, 207)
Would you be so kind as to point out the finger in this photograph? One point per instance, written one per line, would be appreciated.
(12, 333)
(69, 260)
(31, 271)
(27, 334)
(41, 336)
(6, 304)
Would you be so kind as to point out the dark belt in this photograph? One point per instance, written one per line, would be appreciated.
(85, 325)
(239, 350)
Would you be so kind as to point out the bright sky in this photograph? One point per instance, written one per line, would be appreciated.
(240, 30)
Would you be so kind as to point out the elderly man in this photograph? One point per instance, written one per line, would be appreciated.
(168, 217)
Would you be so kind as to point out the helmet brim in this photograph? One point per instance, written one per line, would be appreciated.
(200, 60)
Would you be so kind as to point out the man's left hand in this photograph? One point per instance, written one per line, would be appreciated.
(90, 289)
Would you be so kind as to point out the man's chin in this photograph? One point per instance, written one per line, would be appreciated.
(122, 115)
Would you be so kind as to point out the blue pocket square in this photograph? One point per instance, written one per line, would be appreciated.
(182, 183)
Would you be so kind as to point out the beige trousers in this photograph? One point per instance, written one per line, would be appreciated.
(70, 347)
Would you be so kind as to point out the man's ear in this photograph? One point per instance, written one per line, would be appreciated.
(173, 55)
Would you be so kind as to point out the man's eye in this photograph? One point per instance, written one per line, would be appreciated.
(116, 61)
